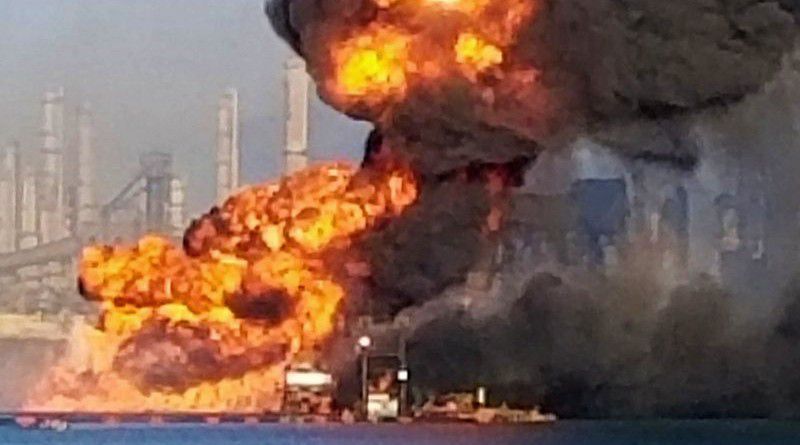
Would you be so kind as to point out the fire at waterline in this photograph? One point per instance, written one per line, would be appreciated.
(482, 82)
(250, 280)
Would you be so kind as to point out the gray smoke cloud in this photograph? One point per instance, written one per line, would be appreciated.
(630, 344)
(593, 347)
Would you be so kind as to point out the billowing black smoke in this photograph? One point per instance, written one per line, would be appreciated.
(625, 344)
(636, 76)
(606, 67)
(405, 274)
(600, 348)
(278, 13)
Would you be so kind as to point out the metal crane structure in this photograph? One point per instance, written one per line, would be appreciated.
(50, 201)
(50, 211)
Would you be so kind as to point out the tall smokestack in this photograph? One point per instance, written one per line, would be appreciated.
(51, 189)
(296, 151)
(228, 146)
(9, 214)
(87, 212)
(175, 212)
(29, 235)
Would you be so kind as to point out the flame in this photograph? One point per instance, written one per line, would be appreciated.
(374, 65)
(417, 41)
(479, 55)
(459, 5)
(212, 325)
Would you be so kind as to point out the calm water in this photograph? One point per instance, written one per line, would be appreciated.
(564, 433)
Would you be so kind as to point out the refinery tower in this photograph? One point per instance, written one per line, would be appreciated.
(228, 142)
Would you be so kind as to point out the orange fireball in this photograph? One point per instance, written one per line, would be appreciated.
(477, 54)
(210, 327)
(416, 41)
(373, 64)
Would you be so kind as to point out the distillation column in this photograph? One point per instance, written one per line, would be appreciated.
(177, 205)
(29, 210)
(52, 221)
(297, 85)
(9, 190)
(228, 146)
(88, 216)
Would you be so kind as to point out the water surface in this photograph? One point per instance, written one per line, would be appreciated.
(562, 433)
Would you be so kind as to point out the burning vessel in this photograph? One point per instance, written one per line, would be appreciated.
(210, 326)
(464, 95)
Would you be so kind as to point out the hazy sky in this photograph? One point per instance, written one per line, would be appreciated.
(153, 71)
